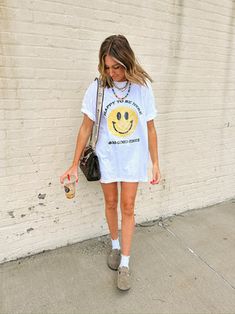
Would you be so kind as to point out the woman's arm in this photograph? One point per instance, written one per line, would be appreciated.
(153, 149)
(82, 139)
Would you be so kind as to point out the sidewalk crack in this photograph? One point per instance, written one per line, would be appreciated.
(198, 256)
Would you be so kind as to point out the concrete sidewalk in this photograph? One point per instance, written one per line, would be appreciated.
(183, 264)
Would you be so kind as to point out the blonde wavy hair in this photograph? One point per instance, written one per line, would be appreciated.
(118, 47)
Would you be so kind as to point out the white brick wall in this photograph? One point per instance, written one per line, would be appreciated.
(48, 56)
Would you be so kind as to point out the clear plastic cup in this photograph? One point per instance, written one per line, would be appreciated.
(70, 187)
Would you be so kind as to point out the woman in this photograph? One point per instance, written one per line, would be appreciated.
(127, 134)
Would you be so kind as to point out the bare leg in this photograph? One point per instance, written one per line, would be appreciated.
(110, 191)
(128, 195)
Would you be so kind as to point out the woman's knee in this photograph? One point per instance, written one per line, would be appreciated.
(110, 191)
(128, 208)
(111, 205)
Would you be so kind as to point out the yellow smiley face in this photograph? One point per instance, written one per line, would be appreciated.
(122, 121)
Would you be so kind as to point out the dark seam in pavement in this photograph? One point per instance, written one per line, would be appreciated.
(198, 256)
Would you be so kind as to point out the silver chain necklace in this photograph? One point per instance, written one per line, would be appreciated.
(121, 88)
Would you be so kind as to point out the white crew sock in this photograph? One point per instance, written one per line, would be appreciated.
(115, 244)
(124, 261)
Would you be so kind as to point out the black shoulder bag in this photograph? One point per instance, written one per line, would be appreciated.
(89, 162)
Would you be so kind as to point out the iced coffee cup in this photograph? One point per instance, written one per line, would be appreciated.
(70, 187)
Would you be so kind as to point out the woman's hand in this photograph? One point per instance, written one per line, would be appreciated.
(156, 175)
(72, 171)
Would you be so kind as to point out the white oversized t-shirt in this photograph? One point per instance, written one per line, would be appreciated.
(122, 146)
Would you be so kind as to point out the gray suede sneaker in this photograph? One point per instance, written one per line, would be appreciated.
(123, 278)
(114, 259)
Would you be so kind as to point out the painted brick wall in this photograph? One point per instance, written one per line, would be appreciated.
(49, 54)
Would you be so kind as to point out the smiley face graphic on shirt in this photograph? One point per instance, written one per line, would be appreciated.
(122, 121)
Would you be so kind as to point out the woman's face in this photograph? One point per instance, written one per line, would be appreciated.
(114, 69)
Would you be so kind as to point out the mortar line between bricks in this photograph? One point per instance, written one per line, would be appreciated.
(199, 257)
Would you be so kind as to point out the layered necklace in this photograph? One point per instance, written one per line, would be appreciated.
(122, 89)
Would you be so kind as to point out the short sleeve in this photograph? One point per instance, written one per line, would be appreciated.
(149, 102)
(89, 101)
